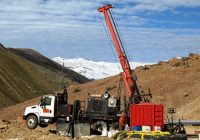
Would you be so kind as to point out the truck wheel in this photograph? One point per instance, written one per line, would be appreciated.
(43, 125)
(32, 122)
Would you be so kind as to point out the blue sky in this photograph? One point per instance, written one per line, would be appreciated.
(152, 30)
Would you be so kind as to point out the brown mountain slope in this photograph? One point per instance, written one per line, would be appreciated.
(175, 83)
(37, 58)
(21, 79)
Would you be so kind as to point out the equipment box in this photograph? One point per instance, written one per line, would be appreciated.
(146, 114)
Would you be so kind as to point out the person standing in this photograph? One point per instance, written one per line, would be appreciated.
(65, 96)
(122, 121)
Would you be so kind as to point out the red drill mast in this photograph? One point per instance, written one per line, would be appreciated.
(141, 114)
(130, 83)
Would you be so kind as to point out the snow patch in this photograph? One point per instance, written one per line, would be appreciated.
(92, 69)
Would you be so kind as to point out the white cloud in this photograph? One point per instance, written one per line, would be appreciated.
(133, 6)
(73, 27)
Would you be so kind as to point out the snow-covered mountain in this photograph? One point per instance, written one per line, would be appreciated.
(93, 70)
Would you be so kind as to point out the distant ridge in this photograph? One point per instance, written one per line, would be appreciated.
(26, 74)
(2, 47)
(92, 69)
(37, 58)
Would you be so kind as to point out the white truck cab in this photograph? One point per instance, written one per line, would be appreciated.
(42, 114)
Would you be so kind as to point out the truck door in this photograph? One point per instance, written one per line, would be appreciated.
(46, 108)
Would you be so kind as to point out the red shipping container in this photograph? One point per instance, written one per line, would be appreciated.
(146, 114)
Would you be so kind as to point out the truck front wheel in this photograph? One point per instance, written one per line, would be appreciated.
(32, 122)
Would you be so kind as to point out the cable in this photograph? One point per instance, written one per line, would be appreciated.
(120, 85)
(120, 92)
(61, 78)
(102, 38)
(109, 40)
(122, 40)
(120, 37)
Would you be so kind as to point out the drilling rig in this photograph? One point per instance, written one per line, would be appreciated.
(101, 109)
(142, 115)
(141, 112)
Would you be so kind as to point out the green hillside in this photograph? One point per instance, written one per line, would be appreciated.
(21, 79)
(49, 65)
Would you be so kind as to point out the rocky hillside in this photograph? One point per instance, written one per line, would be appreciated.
(40, 60)
(175, 83)
(25, 74)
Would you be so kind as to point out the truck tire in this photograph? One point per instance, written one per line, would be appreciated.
(43, 125)
(32, 122)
